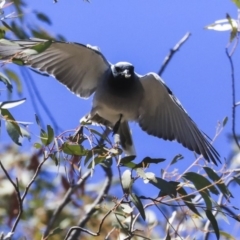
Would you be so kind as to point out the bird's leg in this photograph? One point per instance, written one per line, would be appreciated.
(86, 119)
(117, 125)
(117, 140)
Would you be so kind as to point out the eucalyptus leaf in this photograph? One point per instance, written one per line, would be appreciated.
(213, 221)
(220, 185)
(74, 149)
(13, 131)
(11, 104)
(137, 202)
(200, 182)
(6, 81)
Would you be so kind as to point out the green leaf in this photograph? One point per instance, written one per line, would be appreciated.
(50, 134)
(41, 47)
(11, 104)
(200, 182)
(12, 126)
(127, 162)
(206, 198)
(74, 149)
(18, 61)
(37, 145)
(227, 235)
(237, 3)
(97, 160)
(221, 186)
(7, 26)
(38, 121)
(94, 151)
(13, 76)
(188, 200)
(43, 17)
(127, 159)
(234, 28)
(44, 137)
(137, 202)
(167, 188)
(6, 81)
(225, 120)
(213, 221)
(176, 159)
(126, 180)
(54, 158)
(13, 131)
(2, 33)
(147, 160)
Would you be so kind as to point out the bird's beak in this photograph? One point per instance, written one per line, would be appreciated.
(126, 73)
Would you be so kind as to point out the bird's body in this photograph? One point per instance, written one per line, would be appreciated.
(127, 94)
(120, 96)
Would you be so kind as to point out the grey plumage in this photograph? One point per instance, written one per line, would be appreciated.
(119, 91)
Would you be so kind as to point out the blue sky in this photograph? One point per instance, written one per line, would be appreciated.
(142, 32)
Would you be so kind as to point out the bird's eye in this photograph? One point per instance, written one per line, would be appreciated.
(118, 69)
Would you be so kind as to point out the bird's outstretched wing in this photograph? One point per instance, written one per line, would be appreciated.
(77, 66)
(162, 115)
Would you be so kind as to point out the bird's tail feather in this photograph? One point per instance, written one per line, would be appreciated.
(126, 139)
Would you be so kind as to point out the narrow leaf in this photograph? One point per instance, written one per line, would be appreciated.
(13, 131)
(147, 161)
(11, 104)
(6, 81)
(237, 2)
(187, 200)
(73, 149)
(13, 76)
(176, 159)
(167, 188)
(43, 17)
(201, 182)
(227, 235)
(225, 120)
(50, 134)
(221, 186)
(213, 221)
(137, 202)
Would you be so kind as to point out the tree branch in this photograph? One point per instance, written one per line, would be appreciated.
(172, 52)
(233, 99)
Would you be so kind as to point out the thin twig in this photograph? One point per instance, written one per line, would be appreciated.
(172, 52)
(233, 99)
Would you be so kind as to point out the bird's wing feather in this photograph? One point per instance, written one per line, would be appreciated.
(77, 66)
(162, 115)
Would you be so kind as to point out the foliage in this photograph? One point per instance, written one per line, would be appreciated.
(54, 191)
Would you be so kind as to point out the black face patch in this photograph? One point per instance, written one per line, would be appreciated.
(119, 81)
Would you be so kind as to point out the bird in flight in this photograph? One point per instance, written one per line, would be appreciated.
(120, 94)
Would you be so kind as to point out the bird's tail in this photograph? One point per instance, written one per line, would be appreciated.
(126, 139)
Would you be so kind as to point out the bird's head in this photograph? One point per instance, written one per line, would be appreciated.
(123, 70)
